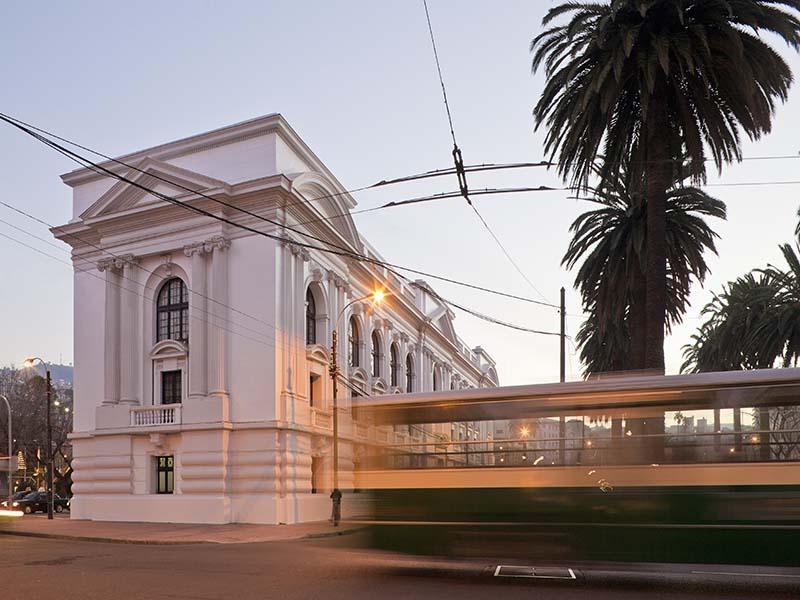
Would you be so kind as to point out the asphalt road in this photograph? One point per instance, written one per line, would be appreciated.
(336, 568)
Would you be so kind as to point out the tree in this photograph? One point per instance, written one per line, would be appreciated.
(26, 392)
(646, 82)
(754, 323)
(611, 241)
(728, 339)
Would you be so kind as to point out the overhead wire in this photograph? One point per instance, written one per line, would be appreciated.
(90, 164)
(459, 168)
(382, 183)
(89, 271)
(116, 256)
(336, 248)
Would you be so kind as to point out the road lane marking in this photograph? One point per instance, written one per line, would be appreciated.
(745, 574)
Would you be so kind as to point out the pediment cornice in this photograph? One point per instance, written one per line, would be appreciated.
(151, 173)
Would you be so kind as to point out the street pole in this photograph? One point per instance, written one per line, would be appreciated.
(10, 490)
(562, 424)
(49, 452)
(563, 337)
(336, 495)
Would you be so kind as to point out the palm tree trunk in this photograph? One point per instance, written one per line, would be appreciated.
(659, 170)
(637, 319)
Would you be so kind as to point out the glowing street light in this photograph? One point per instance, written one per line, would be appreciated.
(377, 296)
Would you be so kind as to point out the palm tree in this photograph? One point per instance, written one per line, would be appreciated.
(753, 324)
(728, 339)
(649, 81)
(612, 241)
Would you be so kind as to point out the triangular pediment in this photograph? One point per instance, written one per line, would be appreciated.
(152, 174)
(445, 325)
(334, 205)
(442, 319)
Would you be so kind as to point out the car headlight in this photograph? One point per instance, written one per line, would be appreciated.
(15, 504)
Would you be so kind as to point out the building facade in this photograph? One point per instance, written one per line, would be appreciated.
(202, 345)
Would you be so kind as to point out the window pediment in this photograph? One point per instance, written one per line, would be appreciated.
(169, 349)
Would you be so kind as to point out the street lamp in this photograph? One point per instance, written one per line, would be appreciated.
(29, 362)
(10, 490)
(336, 496)
(524, 433)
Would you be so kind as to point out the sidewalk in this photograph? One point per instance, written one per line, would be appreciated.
(62, 527)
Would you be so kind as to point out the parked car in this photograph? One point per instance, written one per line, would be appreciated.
(16, 496)
(37, 501)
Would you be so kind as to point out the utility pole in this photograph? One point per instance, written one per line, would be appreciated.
(49, 451)
(562, 424)
(563, 336)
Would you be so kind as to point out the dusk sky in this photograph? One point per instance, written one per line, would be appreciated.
(358, 82)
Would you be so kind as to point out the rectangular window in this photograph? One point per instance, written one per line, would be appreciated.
(314, 390)
(165, 474)
(170, 387)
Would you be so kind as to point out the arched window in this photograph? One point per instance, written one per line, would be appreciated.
(172, 311)
(354, 342)
(395, 364)
(376, 354)
(311, 318)
(409, 373)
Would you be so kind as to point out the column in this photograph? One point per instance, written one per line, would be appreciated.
(129, 327)
(199, 312)
(111, 342)
(298, 299)
(218, 351)
(284, 298)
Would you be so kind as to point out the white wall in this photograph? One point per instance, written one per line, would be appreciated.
(89, 315)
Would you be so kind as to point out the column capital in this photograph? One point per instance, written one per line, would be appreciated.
(300, 251)
(106, 264)
(194, 248)
(125, 261)
(217, 242)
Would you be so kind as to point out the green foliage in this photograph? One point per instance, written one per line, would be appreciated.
(719, 76)
(641, 84)
(611, 243)
(753, 323)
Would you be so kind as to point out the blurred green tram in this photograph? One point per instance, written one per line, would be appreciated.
(698, 468)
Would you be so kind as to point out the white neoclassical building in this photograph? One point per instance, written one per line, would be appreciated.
(201, 347)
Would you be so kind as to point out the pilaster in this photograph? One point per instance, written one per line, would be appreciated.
(218, 347)
(129, 327)
(111, 382)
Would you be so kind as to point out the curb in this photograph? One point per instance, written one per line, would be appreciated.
(145, 542)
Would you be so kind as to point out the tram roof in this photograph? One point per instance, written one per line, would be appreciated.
(679, 392)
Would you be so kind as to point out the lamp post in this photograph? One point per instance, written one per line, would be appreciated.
(336, 496)
(29, 362)
(10, 490)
